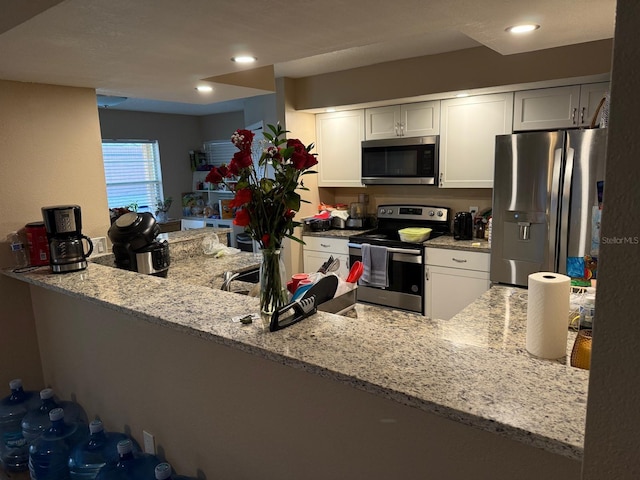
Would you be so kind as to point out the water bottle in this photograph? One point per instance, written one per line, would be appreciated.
(87, 458)
(37, 420)
(130, 465)
(18, 251)
(14, 450)
(49, 453)
(163, 472)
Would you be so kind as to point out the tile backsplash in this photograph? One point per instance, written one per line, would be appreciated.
(457, 199)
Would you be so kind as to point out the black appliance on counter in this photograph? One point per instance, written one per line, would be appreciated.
(135, 246)
(463, 226)
(64, 233)
(405, 272)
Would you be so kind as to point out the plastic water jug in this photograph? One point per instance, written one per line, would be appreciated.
(131, 465)
(49, 453)
(163, 472)
(37, 420)
(14, 450)
(87, 458)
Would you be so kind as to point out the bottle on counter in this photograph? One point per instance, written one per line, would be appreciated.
(14, 450)
(49, 453)
(163, 472)
(36, 421)
(18, 251)
(130, 466)
(87, 458)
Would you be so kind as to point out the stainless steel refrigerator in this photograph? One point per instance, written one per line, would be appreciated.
(545, 195)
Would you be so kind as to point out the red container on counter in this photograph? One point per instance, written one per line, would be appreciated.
(38, 243)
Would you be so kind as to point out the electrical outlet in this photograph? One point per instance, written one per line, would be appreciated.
(473, 211)
(99, 244)
(149, 442)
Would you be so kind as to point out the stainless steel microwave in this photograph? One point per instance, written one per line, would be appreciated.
(400, 161)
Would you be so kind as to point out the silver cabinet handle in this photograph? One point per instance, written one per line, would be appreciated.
(583, 110)
(324, 245)
(458, 260)
(426, 273)
(440, 178)
(401, 129)
(573, 115)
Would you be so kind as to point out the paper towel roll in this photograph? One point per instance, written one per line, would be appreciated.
(548, 314)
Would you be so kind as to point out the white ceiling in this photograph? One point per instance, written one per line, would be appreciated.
(155, 52)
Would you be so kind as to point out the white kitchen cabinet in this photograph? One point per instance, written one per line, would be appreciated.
(317, 251)
(558, 107)
(338, 143)
(453, 279)
(468, 128)
(409, 120)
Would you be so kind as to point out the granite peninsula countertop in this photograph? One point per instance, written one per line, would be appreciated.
(473, 368)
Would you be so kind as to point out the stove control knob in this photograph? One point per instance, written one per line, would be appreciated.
(431, 213)
(382, 211)
(440, 213)
(390, 211)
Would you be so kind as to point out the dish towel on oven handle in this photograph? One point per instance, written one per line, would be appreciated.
(375, 261)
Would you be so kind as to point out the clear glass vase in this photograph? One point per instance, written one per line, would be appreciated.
(273, 291)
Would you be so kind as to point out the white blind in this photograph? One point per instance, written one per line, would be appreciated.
(219, 152)
(132, 171)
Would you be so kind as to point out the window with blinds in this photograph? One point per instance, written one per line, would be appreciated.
(219, 152)
(133, 175)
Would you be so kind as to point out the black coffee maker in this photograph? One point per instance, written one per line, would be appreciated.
(66, 243)
(463, 226)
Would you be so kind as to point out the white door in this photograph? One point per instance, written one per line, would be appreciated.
(546, 109)
(449, 290)
(382, 122)
(339, 147)
(467, 138)
(590, 96)
(420, 119)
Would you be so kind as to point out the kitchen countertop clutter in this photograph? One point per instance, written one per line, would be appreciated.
(472, 369)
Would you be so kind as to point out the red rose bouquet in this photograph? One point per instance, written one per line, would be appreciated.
(266, 205)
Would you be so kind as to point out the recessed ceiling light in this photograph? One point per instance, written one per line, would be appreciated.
(204, 88)
(523, 28)
(244, 59)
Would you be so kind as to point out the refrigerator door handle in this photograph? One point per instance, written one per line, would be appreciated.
(553, 208)
(563, 243)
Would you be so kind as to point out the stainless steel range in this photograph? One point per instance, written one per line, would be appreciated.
(405, 266)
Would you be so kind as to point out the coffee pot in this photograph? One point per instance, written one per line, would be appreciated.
(67, 252)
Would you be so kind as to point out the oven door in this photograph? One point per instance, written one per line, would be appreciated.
(406, 279)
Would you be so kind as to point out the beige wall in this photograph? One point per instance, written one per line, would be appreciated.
(612, 440)
(303, 127)
(50, 154)
(234, 415)
(220, 126)
(176, 135)
(461, 70)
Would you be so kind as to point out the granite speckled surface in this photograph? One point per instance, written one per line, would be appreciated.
(444, 241)
(471, 369)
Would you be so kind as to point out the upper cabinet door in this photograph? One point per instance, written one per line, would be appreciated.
(339, 137)
(547, 108)
(409, 120)
(468, 132)
(382, 122)
(420, 119)
(590, 96)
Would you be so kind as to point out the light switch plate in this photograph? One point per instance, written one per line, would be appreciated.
(149, 442)
(99, 244)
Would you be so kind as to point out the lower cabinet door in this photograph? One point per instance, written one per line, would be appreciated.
(449, 290)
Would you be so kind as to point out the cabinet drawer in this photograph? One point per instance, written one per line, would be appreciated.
(458, 259)
(327, 244)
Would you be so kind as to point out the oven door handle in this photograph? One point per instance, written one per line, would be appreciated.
(406, 251)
